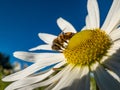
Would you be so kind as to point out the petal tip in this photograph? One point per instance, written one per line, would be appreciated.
(15, 53)
(5, 79)
(32, 49)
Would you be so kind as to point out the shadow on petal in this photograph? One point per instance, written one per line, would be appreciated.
(80, 84)
(104, 80)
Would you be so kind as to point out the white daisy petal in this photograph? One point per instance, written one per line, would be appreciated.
(81, 81)
(67, 79)
(96, 8)
(37, 57)
(27, 71)
(84, 28)
(115, 35)
(30, 70)
(27, 81)
(104, 80)
(114, 48)
(113, 18)
(114, 31)
(84, 81)
(65, 26)
(111, 52)
(26, 88)
(87, 22)
(116, 45)
(41, 47)
(46, 69)
(110, 14)
(52, 79)
(47, 38)
(93, 14)
(50, 86)
(60, 64)
(34, 79)
(114, 75)
(112, 63)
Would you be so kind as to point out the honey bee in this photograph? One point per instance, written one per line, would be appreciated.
(61, 42)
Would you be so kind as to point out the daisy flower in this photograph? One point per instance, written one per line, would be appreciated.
(85, 60)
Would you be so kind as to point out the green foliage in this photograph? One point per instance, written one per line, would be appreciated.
(93, 84)
(5, 69)
(3, 84)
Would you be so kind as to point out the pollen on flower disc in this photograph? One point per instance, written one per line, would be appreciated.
(87, 47)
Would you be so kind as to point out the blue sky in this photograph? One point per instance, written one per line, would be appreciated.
(22, 20)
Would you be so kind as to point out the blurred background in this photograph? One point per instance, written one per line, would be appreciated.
(22, 20)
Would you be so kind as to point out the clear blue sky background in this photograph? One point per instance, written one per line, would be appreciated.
(22, 20)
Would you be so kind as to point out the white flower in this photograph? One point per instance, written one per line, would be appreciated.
(90, 57)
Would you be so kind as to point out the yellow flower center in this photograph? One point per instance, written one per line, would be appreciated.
(87, 47)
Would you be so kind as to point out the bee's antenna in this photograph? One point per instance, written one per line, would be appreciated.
(63, 31)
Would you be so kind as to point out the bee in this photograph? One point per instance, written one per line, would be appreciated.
(61, 42)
